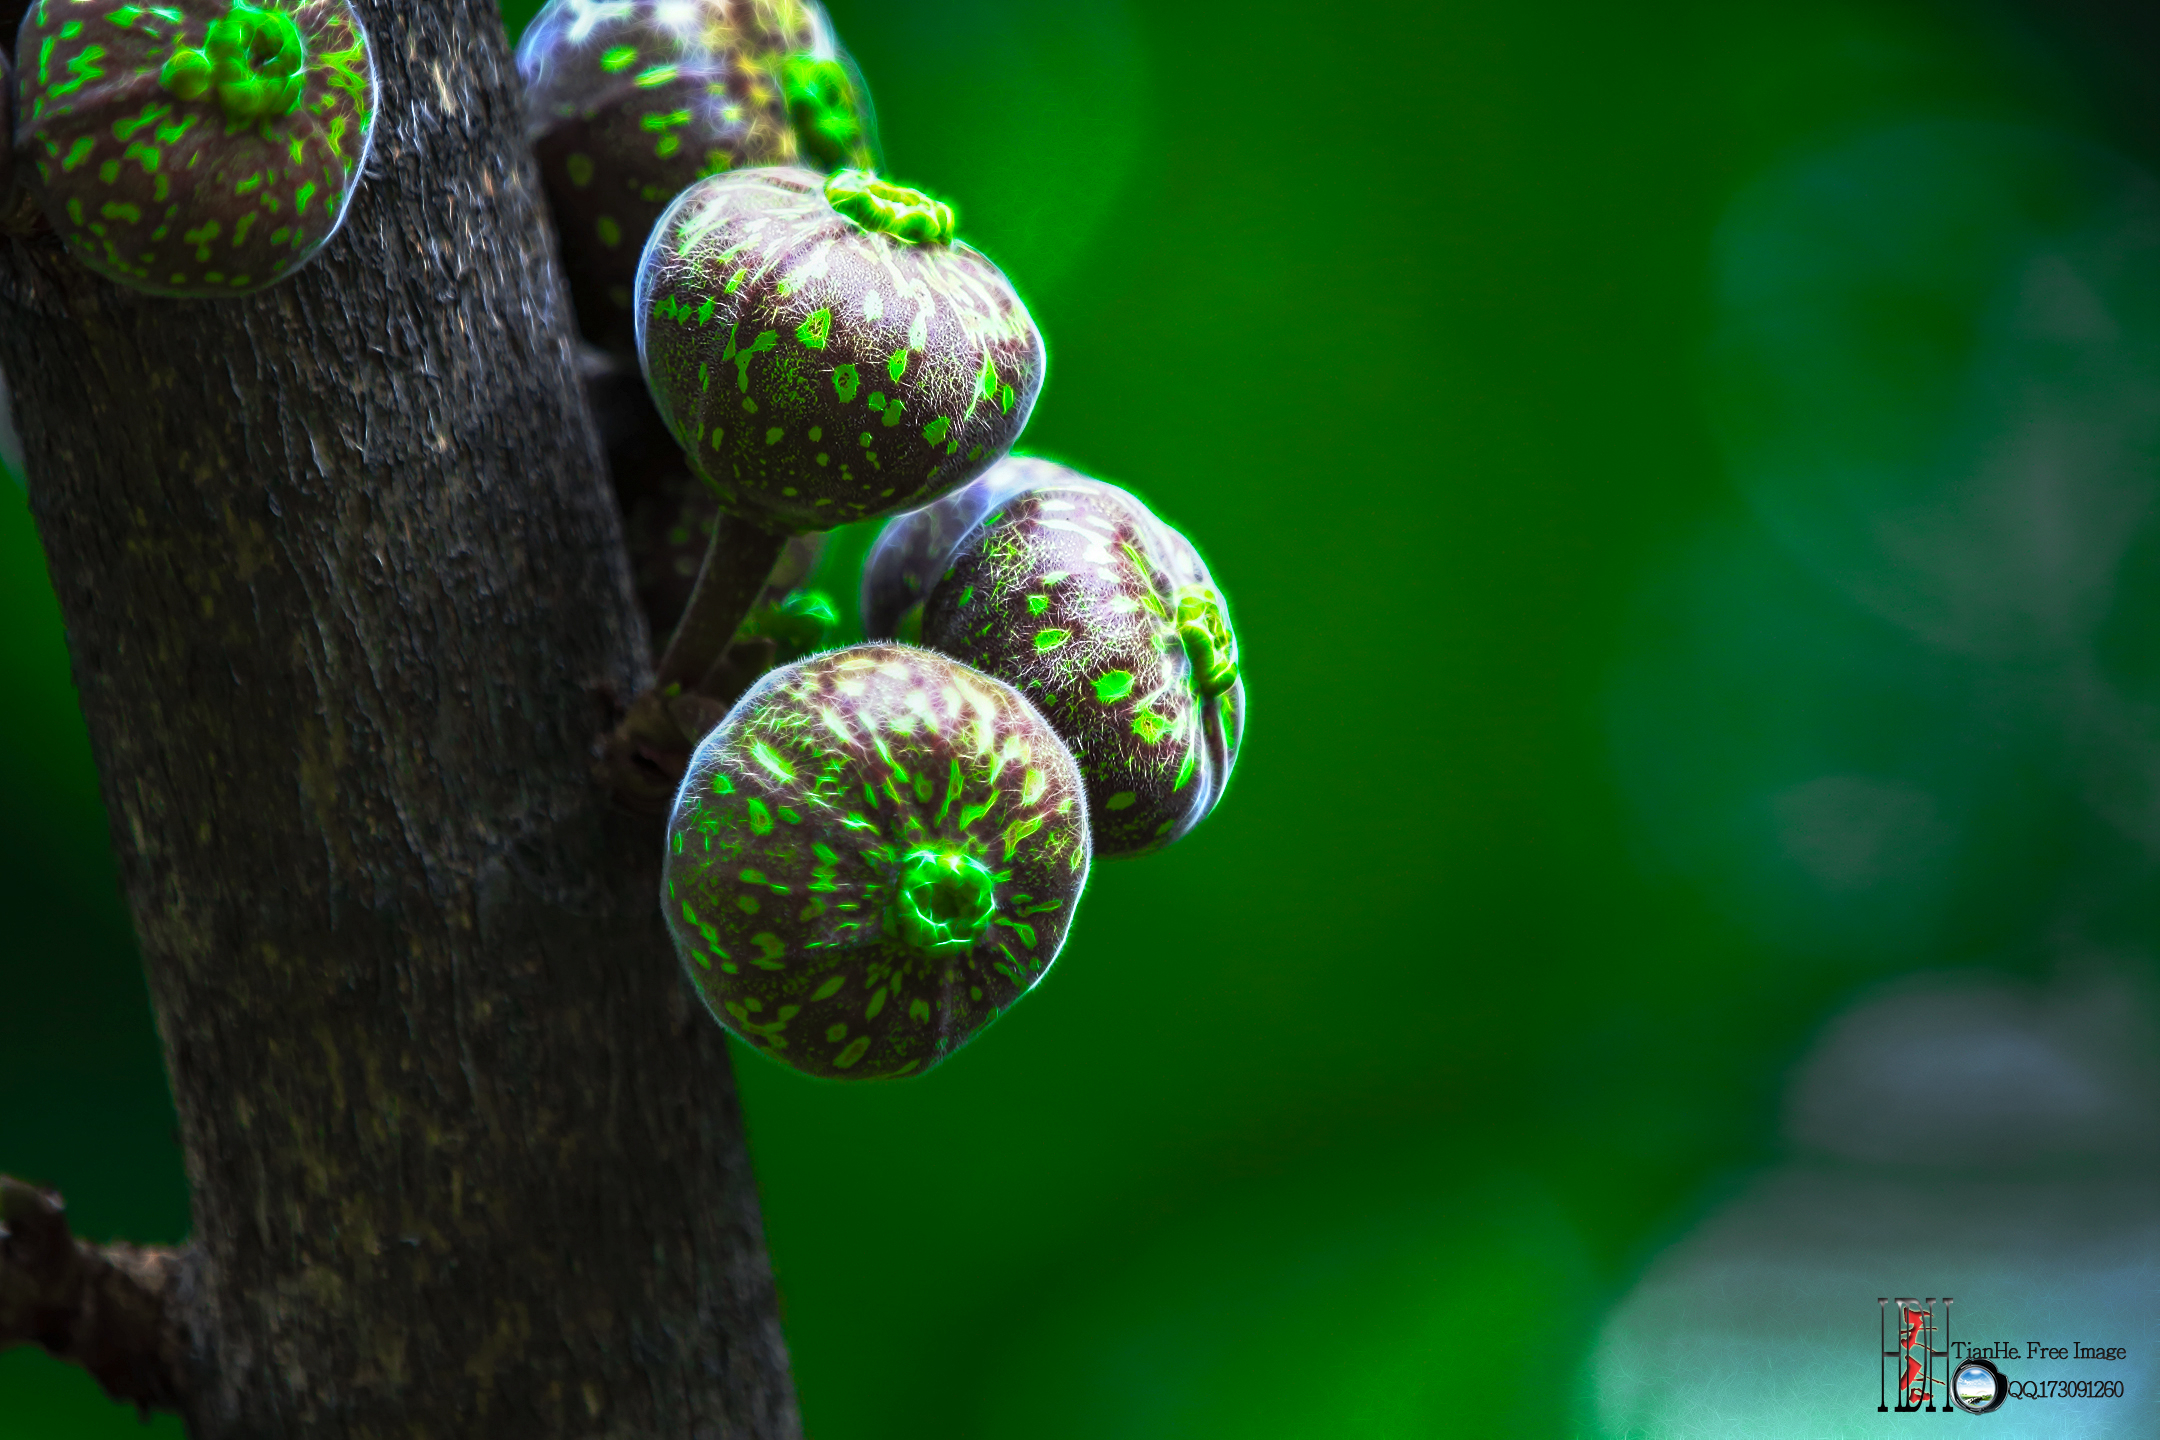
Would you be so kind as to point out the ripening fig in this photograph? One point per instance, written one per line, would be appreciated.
(629, 101)
(824, 350)
(912, 550)
(1106, 618)
(194, 149)
(875, 854)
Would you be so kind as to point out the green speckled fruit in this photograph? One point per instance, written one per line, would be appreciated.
(914, 547)
(194, 149)
(1105, 617)
(629, 101)
(876, 853)
(820, 365)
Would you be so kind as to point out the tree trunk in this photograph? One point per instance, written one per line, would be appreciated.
(348, 610)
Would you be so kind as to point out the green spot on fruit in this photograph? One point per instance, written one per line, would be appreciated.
(83, 67)
(897, 365)
(1112, 686)
(829, 989)
(766, 340)
(774, 766)
(934, 432)
(1121, 800)
(814, 331)
(857, 1048)
(1185, 772)
(846, 381)
(609, 231)
(124, 129)
(1149, 726)
(580, 170)
(773, 436)
(760, 817)
(942, 900)
(1050, 639)
(1037, 604)
(618, 58)
(657, 76)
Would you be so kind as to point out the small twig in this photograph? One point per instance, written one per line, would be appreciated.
(111, 1309)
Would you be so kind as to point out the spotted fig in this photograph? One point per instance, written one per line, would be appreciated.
(875, 854)
(1106, 618)
(198, 148)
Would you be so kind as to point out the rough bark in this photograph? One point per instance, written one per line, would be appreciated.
(348, 611)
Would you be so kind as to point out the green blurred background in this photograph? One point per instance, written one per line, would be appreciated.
(1444, 332)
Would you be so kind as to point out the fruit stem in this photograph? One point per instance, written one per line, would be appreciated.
(734, 570)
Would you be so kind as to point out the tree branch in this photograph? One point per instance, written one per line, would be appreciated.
(108, 1308)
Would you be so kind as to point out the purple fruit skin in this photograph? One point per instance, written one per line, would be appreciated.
(1087, 568)
(160, 193)
(786, 835)
(817, 373)
(914, 547)
(627, 103)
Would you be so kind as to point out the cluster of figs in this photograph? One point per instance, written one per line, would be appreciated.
(871, 851)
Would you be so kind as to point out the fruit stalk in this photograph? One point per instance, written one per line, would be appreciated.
(741, 556)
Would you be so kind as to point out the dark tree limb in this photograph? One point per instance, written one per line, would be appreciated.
(112, 1309)
(346, 600)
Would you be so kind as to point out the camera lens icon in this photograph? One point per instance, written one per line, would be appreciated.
(1978, 1387)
